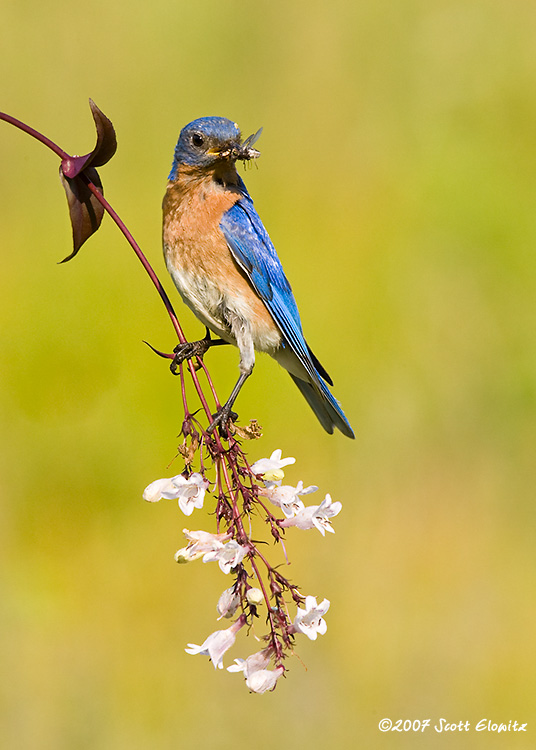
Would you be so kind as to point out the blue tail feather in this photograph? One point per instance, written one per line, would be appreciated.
(325, 406)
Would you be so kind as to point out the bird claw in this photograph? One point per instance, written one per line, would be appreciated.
(221, 420)
(188, 350)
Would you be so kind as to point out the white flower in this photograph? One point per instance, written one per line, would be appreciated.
(316, 516)
(253, 663)
(189, 492)
(287, 497)
(309, 620)
(204, 538)
(200, 543)
(159, 489)
(228, 603)
(228, 556)
(215, 646)
(271, 468)
(264, 679)
(217, 643)
(258, 678)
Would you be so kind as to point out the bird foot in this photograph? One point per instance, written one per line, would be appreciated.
(188, 350)
(221, 420)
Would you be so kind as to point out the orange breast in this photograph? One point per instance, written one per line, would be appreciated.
(202, 265)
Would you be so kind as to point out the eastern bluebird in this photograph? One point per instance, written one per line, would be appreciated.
(226, 267)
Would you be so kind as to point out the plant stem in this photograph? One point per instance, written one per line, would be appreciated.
(35, 134)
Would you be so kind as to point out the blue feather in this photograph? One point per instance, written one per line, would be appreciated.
(255, 253)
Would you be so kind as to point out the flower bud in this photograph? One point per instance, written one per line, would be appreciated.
(255, 596)
(182, 556)
(187, 554)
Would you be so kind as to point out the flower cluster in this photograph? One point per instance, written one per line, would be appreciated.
(239, 490)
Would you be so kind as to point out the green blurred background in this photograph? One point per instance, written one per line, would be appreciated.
(397, 180)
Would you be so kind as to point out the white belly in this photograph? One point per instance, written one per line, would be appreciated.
(227, 315)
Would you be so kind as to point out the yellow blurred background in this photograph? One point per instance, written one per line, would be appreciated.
(398, 183)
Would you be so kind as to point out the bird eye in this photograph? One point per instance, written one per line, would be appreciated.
(198, 140)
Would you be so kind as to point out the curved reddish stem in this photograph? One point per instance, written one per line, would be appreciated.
(35, 134)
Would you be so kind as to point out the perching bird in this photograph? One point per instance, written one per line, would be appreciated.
(226, 267)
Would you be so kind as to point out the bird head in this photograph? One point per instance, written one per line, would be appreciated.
(207, 141)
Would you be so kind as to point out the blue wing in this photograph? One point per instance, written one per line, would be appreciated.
(253, 250)
(256, 255)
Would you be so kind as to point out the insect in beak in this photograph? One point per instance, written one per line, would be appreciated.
(239, 151)
(247, 150)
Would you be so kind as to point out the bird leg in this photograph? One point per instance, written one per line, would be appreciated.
(191, 349)
(226, 414)
(241, 332)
